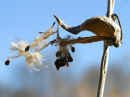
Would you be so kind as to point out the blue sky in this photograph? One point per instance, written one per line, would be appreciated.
(22, 19)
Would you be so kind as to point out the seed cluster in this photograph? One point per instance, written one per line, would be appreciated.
(63, 59)
(63, 54)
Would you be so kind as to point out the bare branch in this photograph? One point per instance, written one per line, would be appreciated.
(110, 8)
(104, 63)
(49, 32)
(103, 71)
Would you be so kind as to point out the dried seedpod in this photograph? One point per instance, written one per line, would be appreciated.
(99, 25)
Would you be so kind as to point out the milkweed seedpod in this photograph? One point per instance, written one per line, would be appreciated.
(99, 25)
(7, 62)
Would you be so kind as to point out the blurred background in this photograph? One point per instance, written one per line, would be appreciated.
(22, 19)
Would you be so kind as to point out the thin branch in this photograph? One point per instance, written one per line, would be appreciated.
(49, 32)
(103, 71)
(110, 8)
(43, 46)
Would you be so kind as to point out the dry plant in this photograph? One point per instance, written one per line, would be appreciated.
(104, 28)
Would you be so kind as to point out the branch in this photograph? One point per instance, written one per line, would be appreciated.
(110, 8)
(104, 62)
(49, 32)
(103, 71)
(43, 46)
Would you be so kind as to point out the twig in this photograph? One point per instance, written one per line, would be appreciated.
(110, 8)
(49, 32)
(103, 70)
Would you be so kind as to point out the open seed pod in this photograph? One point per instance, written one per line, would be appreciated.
(99, 25)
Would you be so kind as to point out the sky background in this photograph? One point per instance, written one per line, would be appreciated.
(22, 19)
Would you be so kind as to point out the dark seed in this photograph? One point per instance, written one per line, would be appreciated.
(57, 67)
(63, 60)
(72, 49)
(27, 48)
(60, 63)
(57, 64)
(58, 53)
(7, 62)
(69, 58)
(40, 32)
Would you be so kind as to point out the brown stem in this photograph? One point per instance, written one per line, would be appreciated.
(104, 62)
(110, 8)
(103, 71)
